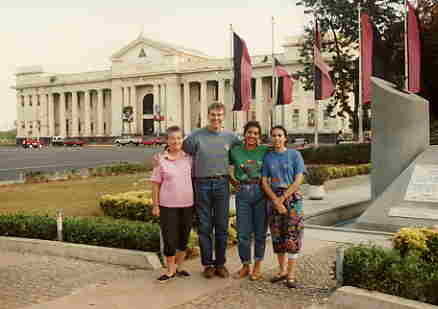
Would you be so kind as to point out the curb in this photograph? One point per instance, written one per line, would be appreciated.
(123, 257)
(354, 298)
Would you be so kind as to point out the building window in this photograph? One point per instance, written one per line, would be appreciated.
(311, 117)
(38, 101)
(79, 127)
(66, 105)
(296, 118)
(92, 127)
(326, 118)
(104, 127)
(253, 88)
(30, 100)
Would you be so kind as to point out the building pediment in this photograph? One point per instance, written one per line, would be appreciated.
(144, 50)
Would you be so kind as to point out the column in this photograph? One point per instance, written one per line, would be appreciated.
(19, 116)
(87, 116)
(126, 103)
(221, 91)
(74, 114)
(158, 105)
(259, 100)
(62, 117)
(134, 109)
(203, 104)
(173, 95)
(164, 110)
(44, 115)
(51, 115)
(187, 110)
(99, 112)
(36, 132)
(116, 110)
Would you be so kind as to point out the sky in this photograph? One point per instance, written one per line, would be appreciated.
(79, 36)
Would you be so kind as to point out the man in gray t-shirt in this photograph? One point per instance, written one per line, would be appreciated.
(209, 147)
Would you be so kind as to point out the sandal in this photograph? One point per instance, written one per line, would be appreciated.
(255, 276)
(292, 284)
(278, 278)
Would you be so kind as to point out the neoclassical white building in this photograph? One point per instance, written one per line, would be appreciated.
(157, 78)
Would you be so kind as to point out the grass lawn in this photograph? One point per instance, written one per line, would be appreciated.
(75, 197)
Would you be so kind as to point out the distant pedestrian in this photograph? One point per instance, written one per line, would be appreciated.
(209, 147)
(282, 174)
(247, 160)
(172, 195)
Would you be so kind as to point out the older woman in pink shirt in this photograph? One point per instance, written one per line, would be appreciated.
(172, 194)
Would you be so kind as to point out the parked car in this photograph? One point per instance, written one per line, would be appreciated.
(300, 142)
(127, 140)
(57, 141)
(74, 142)
(32, 143)
(155, 141)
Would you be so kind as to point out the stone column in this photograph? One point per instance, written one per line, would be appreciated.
(51, 115)
(62, 117)
(87, 116)
(116, 110)
(221, 91)
(134, 109)
(35, 108)
(173, 93)
(259, 100)
(128, 126)
(187, 108)
(44, 115)
(203, 104)
(100, 112)
(74, 114)
(19, 116)
(164, 110)
(158, 103)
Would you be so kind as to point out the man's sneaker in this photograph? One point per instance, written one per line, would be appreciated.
(222, 271)
(209, 272)
(182, 273)
(165, 278)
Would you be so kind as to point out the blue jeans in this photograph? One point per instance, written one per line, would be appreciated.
(212, 199)
(251, 220)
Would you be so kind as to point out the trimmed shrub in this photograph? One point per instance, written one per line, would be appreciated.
(339, 154)
(106, 232)
(93, 231)
(120, 168)
(133, 205)
(317, 173)
(386, 271)
(28, 226)
(420, 241)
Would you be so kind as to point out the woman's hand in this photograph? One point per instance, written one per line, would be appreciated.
(278, 202)
(235, 183)
(156, 210)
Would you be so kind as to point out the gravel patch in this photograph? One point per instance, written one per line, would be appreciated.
(38, 279)
(313, 273)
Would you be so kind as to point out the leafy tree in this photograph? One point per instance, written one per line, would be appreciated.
(338, 21)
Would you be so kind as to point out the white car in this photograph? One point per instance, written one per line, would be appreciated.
(127, 140)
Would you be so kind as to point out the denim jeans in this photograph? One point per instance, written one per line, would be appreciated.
(212, 199)
(251, 222)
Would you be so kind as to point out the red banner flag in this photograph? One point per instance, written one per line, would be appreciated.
(366, 49)
(285, 84)
(414, 51)
(242, 75)
(323, 83)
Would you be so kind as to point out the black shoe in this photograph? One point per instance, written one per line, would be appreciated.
(292, 284)
(165, 278)
(278, 278)
(182, 273)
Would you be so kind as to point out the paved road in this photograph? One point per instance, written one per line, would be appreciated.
(14, 161)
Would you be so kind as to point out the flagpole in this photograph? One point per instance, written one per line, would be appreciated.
(273, 114)
(360, 105)
(232, 77)
(405, 33)
(315, 139)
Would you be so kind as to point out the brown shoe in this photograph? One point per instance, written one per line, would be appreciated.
(222, 271)
(242, 273)
(209, 272)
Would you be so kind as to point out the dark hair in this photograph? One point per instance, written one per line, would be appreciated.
(215, 105)
(279, 127)
(173, 129)
(252, 124)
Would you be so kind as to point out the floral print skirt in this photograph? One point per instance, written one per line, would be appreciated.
(287, 229)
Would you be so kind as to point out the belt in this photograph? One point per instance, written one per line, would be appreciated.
(251, 181)
(212, 177)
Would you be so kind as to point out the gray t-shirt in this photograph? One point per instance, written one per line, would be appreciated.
(209, 150)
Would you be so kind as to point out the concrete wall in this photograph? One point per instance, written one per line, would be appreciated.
(400, 128)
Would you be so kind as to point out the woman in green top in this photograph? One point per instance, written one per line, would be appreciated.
(247, 160)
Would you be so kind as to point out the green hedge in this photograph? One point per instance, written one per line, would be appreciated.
(133, 205)
(120, 168)
(338, 154)
(387, 271)
(103, 232)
